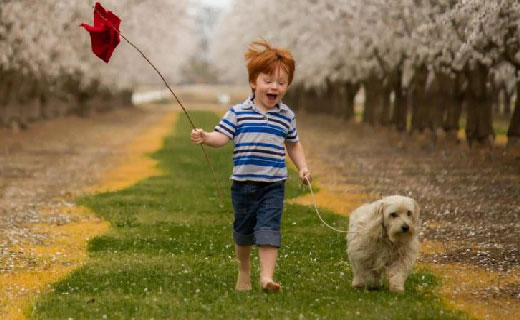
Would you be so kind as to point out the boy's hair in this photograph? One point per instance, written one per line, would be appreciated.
(262, 57)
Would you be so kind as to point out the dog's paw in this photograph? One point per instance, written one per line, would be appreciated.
(396, 288)
(358, 284)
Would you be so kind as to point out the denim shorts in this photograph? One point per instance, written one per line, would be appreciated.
(258, 212)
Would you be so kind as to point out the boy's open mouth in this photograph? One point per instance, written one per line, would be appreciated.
(272, 96)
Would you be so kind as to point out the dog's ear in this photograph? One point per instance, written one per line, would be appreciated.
(416, 213)
(380, 209)
(378, 217)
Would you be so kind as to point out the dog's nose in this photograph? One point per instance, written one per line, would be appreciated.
(405, 227)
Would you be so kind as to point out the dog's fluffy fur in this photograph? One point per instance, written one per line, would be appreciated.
(383, 237)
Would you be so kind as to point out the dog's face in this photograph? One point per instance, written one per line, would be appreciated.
(400, 217)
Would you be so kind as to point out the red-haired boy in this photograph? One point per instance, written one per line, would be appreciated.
(262, 128)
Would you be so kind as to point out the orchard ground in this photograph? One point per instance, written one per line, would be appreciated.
(470, 211)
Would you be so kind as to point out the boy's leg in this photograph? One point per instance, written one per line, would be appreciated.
(268, 255)
(244, 268)
(243, 236)
(267, 233)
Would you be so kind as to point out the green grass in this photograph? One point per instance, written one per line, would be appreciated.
(170, 255)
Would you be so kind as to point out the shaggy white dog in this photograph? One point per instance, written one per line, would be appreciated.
(383, 237)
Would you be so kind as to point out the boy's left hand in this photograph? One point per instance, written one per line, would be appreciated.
(305, 175)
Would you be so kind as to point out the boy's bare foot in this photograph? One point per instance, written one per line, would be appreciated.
(268, 285)
(243, 287)
(243, 282)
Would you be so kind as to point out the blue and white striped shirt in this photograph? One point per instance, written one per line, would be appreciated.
(259, 139)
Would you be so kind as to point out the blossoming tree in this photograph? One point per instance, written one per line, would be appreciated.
(421, 57)
(47, 69)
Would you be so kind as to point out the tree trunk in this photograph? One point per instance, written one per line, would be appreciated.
(44, 96)
(479, 124)
(32, 108)
(384, 116)
(4, 87)
(316, 101)
(301, 98)
(373, 101)
(513, 132)
(12, 112)
(495, 100)
(454, 109)
(419, 101)
(400, 111)
(507, 102)
(444, 90)
(293, 98)
(312, 102)
(289, 97)
(333, 99)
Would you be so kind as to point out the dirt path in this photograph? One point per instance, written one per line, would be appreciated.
(470, 205)
(43, 234)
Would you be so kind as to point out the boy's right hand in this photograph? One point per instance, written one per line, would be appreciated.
(198, 135)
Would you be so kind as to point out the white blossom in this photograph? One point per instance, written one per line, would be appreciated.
(352, 40)
(43, 38)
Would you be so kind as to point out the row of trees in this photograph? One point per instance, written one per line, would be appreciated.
(47, 67)
(427, 60)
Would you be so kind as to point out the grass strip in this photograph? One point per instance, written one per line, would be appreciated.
(170, 255)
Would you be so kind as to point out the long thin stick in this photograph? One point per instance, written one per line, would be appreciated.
(176, 98)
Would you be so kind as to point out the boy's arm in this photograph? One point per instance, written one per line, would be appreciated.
(212, 139)
(295, 151)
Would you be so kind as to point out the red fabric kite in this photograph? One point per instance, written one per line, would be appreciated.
(104, 34)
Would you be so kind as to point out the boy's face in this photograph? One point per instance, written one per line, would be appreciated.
(270, 88)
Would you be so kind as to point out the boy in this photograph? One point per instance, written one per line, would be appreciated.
(259, 128)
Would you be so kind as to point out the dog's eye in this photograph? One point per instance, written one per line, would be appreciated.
(409, 213)
(394, 215)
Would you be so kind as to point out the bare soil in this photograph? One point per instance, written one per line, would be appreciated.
(51, 162)
(470, 198)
